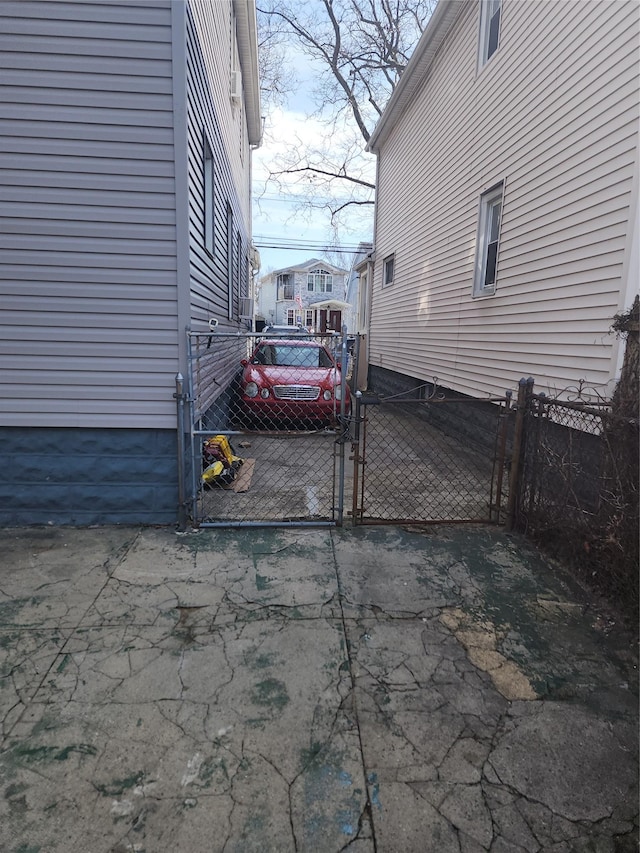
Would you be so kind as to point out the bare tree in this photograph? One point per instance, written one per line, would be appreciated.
(358, 50)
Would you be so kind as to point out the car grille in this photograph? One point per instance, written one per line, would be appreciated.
(296, 392)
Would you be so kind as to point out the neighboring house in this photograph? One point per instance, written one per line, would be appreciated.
(127, 131)
(507, 198)
(310, 294)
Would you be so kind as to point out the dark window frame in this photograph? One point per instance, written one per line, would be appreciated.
(209, 195)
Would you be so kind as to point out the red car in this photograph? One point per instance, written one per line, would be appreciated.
(291, 380)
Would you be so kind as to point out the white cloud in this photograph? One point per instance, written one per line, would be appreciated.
(276, 212)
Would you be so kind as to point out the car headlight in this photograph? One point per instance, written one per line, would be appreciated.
(251, 389)
(327, 395)
(338, 390)
(264, 393)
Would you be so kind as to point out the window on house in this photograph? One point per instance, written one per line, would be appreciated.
(209, 197)
(238, 275)
(388, 269)
(488, 241)
(319, 281)
(285, 286)
(308, 319)
(230, 276)
(489, 30)
(291, 317)
(363, 301)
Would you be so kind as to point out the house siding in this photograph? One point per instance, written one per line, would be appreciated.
(218, 278)
(88, 332)
(211, 112)
(275, 309)
(83, 476)
(554, 115)
(101, 241)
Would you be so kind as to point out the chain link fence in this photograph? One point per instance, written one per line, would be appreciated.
(433, 460)
(268, 423)
(578, 493)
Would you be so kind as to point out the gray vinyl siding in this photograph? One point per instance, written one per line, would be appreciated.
(210, 112)
(553, 114)
(88, 286)
(214, 275)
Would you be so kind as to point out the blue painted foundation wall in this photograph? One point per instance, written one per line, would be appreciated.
(69, 476)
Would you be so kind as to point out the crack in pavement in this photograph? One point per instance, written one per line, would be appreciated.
(300, 718)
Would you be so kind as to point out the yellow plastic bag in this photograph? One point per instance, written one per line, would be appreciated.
(212, 472)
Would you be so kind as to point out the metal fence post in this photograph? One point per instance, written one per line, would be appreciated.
(525, 389)
(343, 426)
(194, 472)
(500, 457)
(355, 456)
(180, 398)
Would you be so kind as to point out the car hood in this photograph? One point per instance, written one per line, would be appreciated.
(275, 375)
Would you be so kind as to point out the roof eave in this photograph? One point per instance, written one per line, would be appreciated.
(245, 12)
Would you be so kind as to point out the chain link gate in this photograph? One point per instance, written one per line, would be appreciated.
(430, 460)
(268, 423)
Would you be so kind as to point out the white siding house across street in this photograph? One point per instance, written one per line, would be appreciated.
(310, 294)
(507, 197)
(112, 114)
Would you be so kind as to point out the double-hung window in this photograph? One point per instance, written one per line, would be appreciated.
(285, 286)
(230, 275)
(319, 281)
(488, 241)
(388, 270)
(489, 30)
(209, 197)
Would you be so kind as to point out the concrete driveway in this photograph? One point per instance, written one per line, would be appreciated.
(308, 690)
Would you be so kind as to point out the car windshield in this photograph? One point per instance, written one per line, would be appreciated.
(292, 356)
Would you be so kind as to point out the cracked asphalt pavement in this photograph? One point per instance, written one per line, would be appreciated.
(378, 689)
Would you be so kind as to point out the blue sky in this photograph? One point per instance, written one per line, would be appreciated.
(275, 214)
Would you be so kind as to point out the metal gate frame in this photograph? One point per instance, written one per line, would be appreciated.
(500, 460)
(192, 434)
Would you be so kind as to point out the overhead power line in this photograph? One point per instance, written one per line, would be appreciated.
(305, 248)
(294, 244)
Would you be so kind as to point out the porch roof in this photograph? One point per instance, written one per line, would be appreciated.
(330, 305)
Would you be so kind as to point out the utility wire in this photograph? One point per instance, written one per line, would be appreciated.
(301, 248)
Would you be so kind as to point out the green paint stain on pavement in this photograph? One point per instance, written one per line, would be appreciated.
(24, 754)
(11, 608)
(63, 663)
(262, 582)
(260, 661)
(309, 756)
(14, 790)
(118, 786)
(271, 692)
(82, 748)
(7, 641)
(214, 772)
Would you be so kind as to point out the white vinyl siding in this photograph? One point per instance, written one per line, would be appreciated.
(556, 112)
(88, 332)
